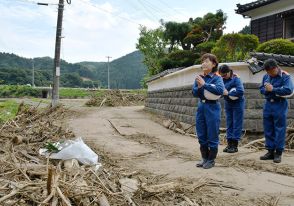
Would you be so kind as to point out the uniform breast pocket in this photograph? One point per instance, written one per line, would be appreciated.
(277, 84)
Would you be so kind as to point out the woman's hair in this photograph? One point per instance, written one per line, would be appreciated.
(225, 69)
(212, 58)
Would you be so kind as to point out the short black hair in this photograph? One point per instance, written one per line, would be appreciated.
(224, 69)
(270, 64)
(212, 58)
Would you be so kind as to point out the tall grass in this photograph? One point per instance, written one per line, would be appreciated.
(19, 91)
(8, 110)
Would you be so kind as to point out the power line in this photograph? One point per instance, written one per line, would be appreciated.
(104, 10)
(155, 8)
(149, 10)
(167, 5)
(37, 2)
(138, 8)
(163, 11)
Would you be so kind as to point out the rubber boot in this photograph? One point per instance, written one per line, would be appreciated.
(278, 157)
(268, 156)
(211, 158)
(204, 154)
(229, 141)
(234, 147)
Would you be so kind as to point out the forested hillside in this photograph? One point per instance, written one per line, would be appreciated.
(125, 72)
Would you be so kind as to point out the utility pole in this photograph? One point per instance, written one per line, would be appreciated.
(33, 75)
(108, 57)
(56, 69)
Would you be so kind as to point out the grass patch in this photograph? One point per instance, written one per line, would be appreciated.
(73, 93)
(19, 91)
(78, 93)
(42, 100)
(138, 91)
(8, 110)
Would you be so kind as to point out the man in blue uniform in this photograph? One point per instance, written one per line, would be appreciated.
(276, 86)
(234, 107)
(208, 88)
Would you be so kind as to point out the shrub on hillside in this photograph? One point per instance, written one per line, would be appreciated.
(235, 47)
(205, 47)
(179, 58)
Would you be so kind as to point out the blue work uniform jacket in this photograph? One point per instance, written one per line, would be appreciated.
(234, 82)
(213, 84)
(282, 85)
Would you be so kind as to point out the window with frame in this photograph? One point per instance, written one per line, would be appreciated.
(289, 27)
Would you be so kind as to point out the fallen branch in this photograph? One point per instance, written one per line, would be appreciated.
(253, 142)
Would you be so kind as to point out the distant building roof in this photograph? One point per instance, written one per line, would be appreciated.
(163, 73)
(256, 62)
(253, 5)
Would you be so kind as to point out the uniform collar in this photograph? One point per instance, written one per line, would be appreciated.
(211, 74)
(280, 72)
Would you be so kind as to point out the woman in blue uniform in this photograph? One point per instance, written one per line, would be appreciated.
(234, 107)
(208, 88)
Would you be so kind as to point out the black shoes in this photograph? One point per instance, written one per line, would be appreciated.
(228, 146)
(208, 157)
(201, 163)
(278, 157)
(268, 156)
(204, 154)
(232, 146)
(211, 157)
(272, 155)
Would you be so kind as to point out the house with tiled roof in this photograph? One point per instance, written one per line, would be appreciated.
(270, 19)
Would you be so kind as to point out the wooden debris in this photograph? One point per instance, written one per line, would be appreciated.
(30, 179)
(161, 187)
(114, 98)
(103, 201)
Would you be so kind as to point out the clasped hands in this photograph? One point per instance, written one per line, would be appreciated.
(268, 87)
(200, 81)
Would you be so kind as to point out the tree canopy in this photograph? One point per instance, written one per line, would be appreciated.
(176, 44)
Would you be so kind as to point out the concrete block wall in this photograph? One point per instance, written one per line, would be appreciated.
(179, 104)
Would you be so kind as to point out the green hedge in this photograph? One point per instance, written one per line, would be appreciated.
(179, 58)
(19, 91)
(277, 46)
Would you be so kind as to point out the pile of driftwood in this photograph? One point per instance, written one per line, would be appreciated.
(114, 98)
(26, 178)
(289, 143)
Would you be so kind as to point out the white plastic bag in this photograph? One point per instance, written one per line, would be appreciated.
(74, 149)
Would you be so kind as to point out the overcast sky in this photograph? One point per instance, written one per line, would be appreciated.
(94, 29)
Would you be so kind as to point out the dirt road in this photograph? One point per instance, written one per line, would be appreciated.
(134, 140)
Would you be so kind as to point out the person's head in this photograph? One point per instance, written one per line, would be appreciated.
(225, 71)
(271, 67)
(209, 63)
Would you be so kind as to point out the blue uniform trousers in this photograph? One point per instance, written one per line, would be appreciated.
(234, 118)
(275, 124)
(207, 124)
